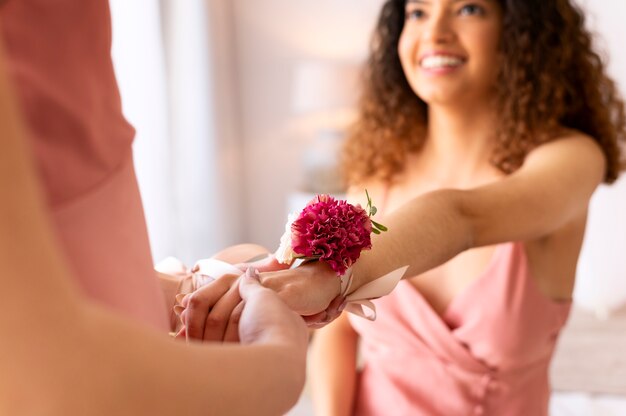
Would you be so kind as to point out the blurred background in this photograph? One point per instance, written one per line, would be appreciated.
(237, 105)
(240, 106)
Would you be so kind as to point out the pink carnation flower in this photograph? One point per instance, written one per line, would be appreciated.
(333, 231)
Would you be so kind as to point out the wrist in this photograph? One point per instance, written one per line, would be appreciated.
(346, 283)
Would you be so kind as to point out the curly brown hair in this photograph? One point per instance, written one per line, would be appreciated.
(550, 78)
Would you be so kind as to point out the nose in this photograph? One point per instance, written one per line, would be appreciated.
(439, 28)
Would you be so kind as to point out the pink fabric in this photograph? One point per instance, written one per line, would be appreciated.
(58, 55)
(488, 354)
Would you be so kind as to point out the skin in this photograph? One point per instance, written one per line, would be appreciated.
(467, 30)
(211, 313)
(54, 336)
(170, 285)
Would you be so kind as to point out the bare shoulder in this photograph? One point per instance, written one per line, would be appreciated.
(562, 176)
(576, 150)
(551, 190)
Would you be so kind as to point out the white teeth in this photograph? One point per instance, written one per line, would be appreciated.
(440, 61)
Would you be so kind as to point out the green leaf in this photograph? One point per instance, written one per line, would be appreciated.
(375, 231)
(373, 210)
(379, 226)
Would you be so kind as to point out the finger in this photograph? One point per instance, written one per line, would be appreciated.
(317, 319)
(203, 280)
(218, 317)
(270, 280)
(249, 284)
(317, 325)
(232, 329)
(199, 303)
(336, 306)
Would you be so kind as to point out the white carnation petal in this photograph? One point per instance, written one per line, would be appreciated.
(285, 254)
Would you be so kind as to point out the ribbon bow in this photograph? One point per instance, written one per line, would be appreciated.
(360, 302)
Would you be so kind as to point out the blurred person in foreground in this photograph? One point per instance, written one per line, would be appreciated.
(84, 320)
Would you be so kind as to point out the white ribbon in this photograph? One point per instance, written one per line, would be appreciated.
(360, 301)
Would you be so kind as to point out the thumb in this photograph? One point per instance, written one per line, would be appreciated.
(249, 283)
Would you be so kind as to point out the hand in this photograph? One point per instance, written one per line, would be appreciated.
(320, 320)
(262, 316)
(207, 311)
(309, 290)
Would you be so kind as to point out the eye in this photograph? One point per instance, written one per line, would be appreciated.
(471, 10)
(414, 14)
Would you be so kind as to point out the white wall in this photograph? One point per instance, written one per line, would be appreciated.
(173, 63)
(601, 281)
(139, 59)
(271, 36)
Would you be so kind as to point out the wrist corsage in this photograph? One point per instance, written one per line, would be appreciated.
(329, 230)
(336, 232)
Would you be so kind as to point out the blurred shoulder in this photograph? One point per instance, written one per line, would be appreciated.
(574, 149)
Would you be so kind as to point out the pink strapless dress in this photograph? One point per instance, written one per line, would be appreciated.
(58, 56)
(487, 355)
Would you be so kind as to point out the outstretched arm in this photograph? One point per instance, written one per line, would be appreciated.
(80, 359)
(550, 191)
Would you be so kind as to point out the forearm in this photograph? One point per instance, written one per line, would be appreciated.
(332, 369)
(199, 379)
(424, 233)
(55, 344)
(101, 364)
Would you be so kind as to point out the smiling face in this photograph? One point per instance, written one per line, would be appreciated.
(449, 49)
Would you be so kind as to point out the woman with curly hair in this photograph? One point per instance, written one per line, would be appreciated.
(485, 127)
